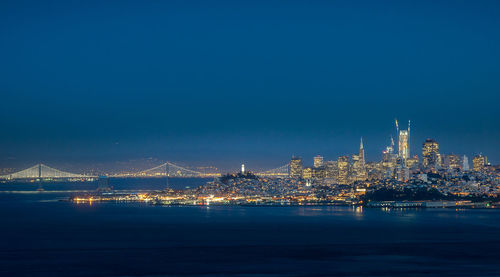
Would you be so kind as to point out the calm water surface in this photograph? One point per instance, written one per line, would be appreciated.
(43, 237)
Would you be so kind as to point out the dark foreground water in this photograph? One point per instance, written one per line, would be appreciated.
(40, 237)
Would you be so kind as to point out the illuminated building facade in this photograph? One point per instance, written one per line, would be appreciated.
(389, 160)
(318, 161)
(296, 167)
(319, 172)
(359, 168)
(451, 162)
(465, 163)
(343, 170)
(362, 152)
(356, 166)
(307, 173)
(402, 173)
(412, 162)
(403, 147)
(430, 154)
(403, 143)
(331, 169)
(314, 172)
(479, 163)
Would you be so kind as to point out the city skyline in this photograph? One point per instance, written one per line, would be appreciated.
(429, 157)
(401, 143)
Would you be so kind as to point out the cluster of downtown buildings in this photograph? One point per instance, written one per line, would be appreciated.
(396, 165)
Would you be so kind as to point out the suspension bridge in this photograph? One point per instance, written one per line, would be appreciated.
(171, 170)
(281, 172)
(41, 171)
(167, 169)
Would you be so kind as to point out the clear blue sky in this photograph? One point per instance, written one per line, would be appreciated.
(221, 82)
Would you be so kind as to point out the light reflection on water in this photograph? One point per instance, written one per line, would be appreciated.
(134, 239)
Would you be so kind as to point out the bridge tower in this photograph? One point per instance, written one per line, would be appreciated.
(166, 175)
(40, 187)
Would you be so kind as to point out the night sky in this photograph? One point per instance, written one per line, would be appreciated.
(224, 82)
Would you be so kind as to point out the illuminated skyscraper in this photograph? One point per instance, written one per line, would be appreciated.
(451, 162)
(388, 157)
(331, 169)
(430, 154)
(359, 164)
(403, 142)
(362, 152)
(465, 163)
(319, 172)
(479, 162)
(389, 160)
(296, 167)
(307, 173)
(318, 161)
(343, 170)
(404, 152)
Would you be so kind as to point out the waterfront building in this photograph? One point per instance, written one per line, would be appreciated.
(318, 161)
(343, 169)
(430, 154)
(296, 167)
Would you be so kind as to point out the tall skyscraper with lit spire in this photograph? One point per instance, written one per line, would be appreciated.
(359, 164)
(362, 152)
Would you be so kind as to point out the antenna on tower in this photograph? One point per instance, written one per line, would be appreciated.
(408, 138)
(40, 187)
(397, 133)
(408, 128)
